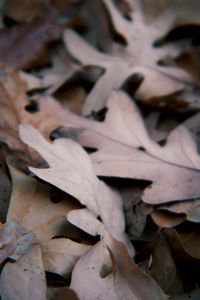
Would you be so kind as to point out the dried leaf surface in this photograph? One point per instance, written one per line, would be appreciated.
(27, 277)
(37, 34)
(173, 169)
(37, 214)
(60, 255)
(139, 57)
(86, 275)
(125, 281)
(71, 170)
(14, 110)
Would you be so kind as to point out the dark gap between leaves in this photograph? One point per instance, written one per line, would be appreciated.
(56, 280)
(32, 107)
(189, 32)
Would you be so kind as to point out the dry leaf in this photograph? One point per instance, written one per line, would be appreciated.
(136, 58)
(8, 239)
(86, 279)
(70, 169)
(24, 279)
(130, 281)
(165, 219)
(125, 281)
(76, 227)
(164, 271)
(191, 209)
(130, 153)
(185, 246)
(190, 242)
(61, 293)
(32, 216)
(24, 11)
(61, 254)
(14, 110)
(37, 34)
(32, 208)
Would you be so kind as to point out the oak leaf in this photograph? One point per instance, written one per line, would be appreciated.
(14, 110)
(71, 170)
(32, 216)
(137, 58)
(123, 281)
(130, 153)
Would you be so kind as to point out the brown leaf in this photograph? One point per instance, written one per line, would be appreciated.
(14, 104)
(130, 282)
(186, 254)
(185, 246)
(24, 279)
(5, 189)
(164, 219)
(190, 242)
(124, 281)
(37, 35)
(24, 11)
(163, 268)
(61, 293)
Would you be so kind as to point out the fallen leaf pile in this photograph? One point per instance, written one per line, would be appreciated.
(99, 150)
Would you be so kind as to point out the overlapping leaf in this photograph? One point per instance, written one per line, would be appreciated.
(130, 153)
(124, 281)
(37, 219)
(71, 170)
(27, 276)
(139, 57)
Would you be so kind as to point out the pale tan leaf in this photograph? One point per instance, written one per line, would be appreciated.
(86, 279)
(173, 169)
(24, 279)
(136, 58)
(71, 170)
(60, 255)
(190, 209)
(165, 271)
(86, 220)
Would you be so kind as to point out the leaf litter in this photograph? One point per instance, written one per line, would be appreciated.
(99, 158)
